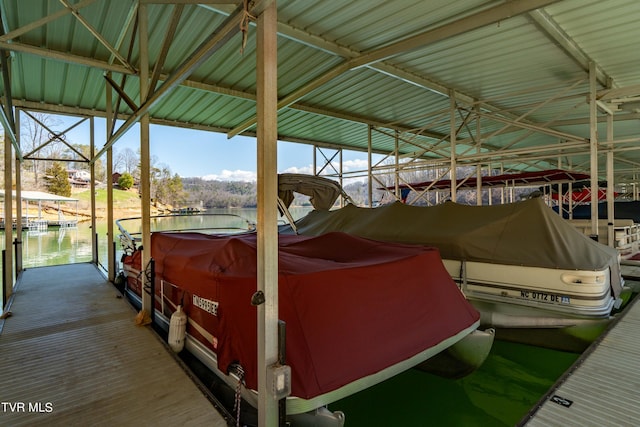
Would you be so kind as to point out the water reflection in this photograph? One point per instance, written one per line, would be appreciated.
(56, 246)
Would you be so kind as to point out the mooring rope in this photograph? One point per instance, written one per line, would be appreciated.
(244, 24)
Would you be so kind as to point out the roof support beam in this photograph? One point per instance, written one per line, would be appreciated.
(623, 92)
(524, 125)
(6, 81)
(166, 43)
(131, 21)
(7, 41)
(43, 21)
(517, 152)
(207, 48)
(121, 92)
(9, 131)
(6, 112)
(98, 36)
(549, 27)
(64, 57)
(478, 20)
(55, 136)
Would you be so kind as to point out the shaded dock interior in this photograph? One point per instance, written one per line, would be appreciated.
(71, 354)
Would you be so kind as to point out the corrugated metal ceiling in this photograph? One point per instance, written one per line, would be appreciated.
(503, 56)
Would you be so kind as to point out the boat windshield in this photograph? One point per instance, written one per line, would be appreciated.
(131, 228)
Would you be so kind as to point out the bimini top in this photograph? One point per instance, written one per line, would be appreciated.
(322, 192)
(525, 233)
(352, 306)
(551, 176)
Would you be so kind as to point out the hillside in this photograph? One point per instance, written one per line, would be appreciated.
(125, 204)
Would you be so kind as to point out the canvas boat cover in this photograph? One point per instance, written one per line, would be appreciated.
(322, 192)
(526, 233)
(352, 306)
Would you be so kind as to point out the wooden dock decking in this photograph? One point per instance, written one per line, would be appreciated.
(71, 355)
(601, 389)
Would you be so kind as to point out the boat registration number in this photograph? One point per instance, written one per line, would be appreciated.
(543, 296)
(206, 304)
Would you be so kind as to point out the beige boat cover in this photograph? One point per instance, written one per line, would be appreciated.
(526, 233)
(322, 192)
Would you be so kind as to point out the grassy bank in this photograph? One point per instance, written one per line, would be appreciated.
(125, 204)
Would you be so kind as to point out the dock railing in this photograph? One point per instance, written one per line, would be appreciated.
(626, 234)
(219, 223)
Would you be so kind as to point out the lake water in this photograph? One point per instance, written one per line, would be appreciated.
(500, 393)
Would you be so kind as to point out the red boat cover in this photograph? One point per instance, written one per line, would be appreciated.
(527, 179)
(582, 195)
(352, 306)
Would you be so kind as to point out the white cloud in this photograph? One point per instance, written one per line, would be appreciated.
(241, 175)
(355, 165)
(236, 175)
(294, 169)
(347, 166)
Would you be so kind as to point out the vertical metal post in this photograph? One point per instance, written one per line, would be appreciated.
(315, 160)
(610, 170)
(17, 247)
(490, 190)
(559, 189)
(478, 149)
(18, 252)
(5, 295)
(7, 271)
(396, 166)
(282, 360)
(369, 166)
(593, 149)
(340, 178)
(152, 289)
(92, 189)
(145, 186)
(502, 188)
(111, 257)
(267, 133)
(113, 265)
(453, 131)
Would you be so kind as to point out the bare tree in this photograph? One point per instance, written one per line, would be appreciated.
(126, 160)
(38, 140)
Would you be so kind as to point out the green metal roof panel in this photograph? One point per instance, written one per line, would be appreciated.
(507, 66)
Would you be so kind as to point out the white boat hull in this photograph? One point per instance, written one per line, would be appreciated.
(561, 309)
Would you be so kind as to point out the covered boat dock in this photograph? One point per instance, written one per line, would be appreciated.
(514, 86)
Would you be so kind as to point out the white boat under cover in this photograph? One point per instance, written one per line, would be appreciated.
(520, 264)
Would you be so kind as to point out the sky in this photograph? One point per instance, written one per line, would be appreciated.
(208, 155)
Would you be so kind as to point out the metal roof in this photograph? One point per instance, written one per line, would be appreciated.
(518, 71)
(40, 196)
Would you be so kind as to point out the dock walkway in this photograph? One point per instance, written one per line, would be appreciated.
(602, 387)
(71, 354)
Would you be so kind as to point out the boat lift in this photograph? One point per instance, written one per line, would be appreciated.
(38, 222)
